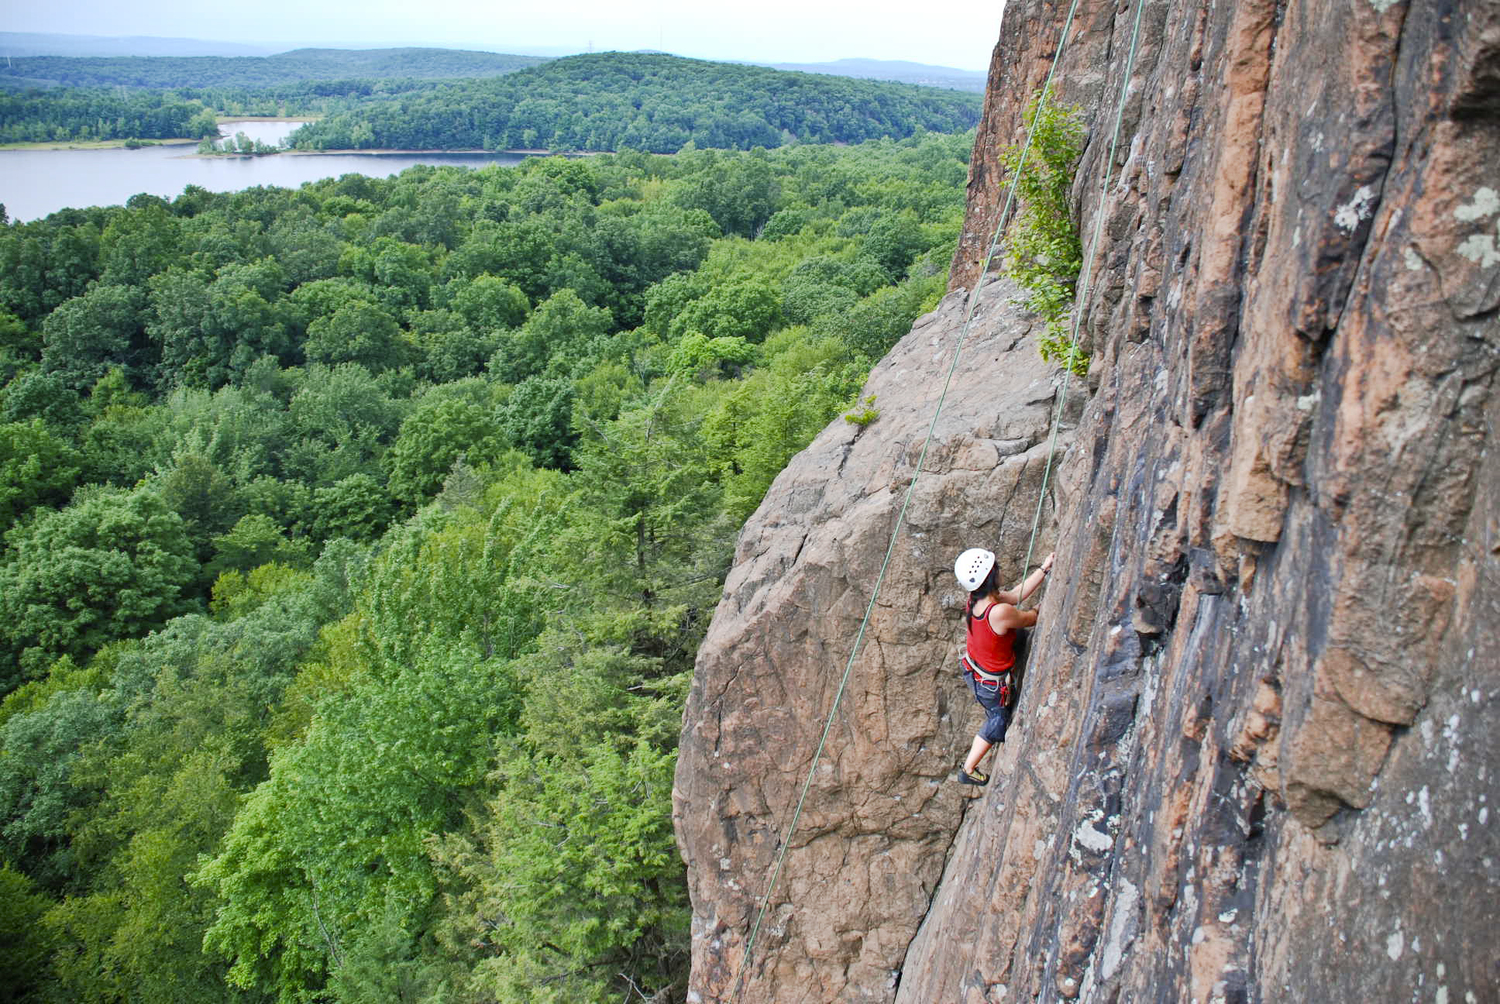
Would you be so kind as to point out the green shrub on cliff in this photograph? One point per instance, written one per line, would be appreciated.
(1045, 251)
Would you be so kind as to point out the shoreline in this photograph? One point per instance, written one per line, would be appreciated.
(383, 152)
(96, 144)
(417, 153)
(267, 118)
(119, 144)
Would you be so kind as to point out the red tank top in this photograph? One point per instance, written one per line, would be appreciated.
(995, 653)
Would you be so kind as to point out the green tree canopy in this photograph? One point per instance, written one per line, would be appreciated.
(114, 564)
(36, 468)
(432, 438)
(91, 334)
(538, 419)
(563, 332)
(487, 303)
(359, 333)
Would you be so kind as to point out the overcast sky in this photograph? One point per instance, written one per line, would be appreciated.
(959, 33)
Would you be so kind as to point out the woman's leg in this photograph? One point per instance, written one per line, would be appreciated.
(977, 750)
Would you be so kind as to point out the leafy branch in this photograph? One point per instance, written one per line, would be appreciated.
(1046, 254)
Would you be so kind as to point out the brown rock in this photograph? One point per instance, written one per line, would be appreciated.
(881, 807)
(1255, 756)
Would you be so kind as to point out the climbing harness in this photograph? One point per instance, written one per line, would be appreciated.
(997, 683)
(1081, 299)
(1000, 684)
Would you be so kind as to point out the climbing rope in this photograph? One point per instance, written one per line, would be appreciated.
(1080, 302)
(905, 502)
(1081, 299)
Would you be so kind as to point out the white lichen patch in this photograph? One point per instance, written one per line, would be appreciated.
(1356, 210)
(1480, 249)
(1121, 928)
(1486, 203)
(1085, 835)
(1395, 944)
(1381, 6)
(1424, 805)
(1412, 259)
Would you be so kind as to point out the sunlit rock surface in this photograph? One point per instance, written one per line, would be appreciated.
(1256, 756)
(882, 808)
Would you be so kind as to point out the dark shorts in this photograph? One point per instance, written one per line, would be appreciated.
(997, 718)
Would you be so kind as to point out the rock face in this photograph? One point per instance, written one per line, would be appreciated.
(881, 810)
(1256, 753)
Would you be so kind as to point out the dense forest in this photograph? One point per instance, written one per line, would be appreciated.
(616, 101)
(258, 72)
(90, 114)
(358, 540)
(94, 114)
(610, 101)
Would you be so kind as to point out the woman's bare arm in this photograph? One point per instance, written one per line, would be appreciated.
(1006, 617)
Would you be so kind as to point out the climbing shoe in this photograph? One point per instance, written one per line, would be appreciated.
(978, 777)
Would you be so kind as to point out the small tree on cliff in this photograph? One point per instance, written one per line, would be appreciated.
(1045, 251)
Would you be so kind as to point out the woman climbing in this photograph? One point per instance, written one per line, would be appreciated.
(991, 618)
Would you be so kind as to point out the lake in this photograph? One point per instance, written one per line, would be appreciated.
(34, 183)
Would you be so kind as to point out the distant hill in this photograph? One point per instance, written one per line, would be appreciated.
(24, 43)
(423, 64)
(102, 61)
(447, 99)
(640, 101)
(897, 70)
(281, 69)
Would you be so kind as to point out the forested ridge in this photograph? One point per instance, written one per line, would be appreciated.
(280, 70)
(609, 101)
(656, 103)
(358, 540)
(61, 99)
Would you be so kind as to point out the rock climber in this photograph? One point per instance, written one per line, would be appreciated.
(992, 619)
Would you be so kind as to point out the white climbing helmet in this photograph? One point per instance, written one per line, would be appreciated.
(972, 566)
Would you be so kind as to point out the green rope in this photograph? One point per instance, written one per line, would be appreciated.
(901, 515)
(1082, 299)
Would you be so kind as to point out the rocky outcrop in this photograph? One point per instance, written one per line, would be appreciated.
(1255, 757)
(881, 810)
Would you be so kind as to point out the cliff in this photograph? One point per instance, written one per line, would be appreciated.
(1255, 755)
